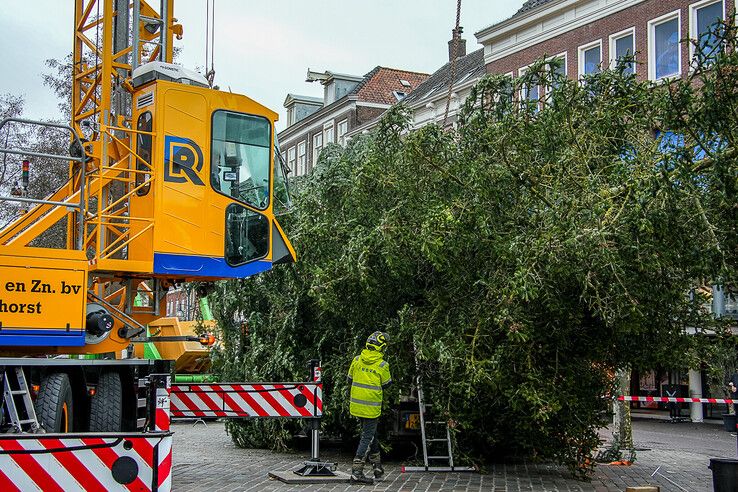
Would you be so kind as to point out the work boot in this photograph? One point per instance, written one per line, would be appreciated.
(357, 473)
(376, 462)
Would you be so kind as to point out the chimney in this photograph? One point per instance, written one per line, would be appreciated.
(460, 44)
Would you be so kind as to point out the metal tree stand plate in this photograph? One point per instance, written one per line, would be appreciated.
(291, 477)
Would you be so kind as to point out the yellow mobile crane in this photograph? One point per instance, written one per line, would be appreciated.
(170, 181)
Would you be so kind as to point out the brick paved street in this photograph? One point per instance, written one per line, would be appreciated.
(206, 459)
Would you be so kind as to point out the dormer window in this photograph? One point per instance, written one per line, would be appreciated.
(335, 85)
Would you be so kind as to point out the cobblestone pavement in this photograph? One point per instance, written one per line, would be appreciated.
(205, 459)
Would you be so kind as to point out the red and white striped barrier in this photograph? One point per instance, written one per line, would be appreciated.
(247, 400)
(161, 424)
(670, 399)
(81, 462)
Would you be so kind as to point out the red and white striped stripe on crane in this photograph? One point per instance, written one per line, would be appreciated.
(671, 399)
(81, 462)
(161, 424)
(247, 400)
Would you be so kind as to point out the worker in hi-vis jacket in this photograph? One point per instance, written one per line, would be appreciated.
(368, 376)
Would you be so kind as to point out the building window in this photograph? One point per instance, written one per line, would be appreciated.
(328, 133)
(590, 58)
(622, 47)
(290, 116)
(317, 147)
(704, 19)
(530, 93)
(505, 97)
(558, 69)
(301, 158)
(342, 130)
(664, 53)
(291, 161)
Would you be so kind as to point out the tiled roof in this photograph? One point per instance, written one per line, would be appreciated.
(468, 67)
(530, 5)
(379, 84)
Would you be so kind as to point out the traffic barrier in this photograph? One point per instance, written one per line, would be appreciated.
(247, 400)
(669, 399)
(84, 462)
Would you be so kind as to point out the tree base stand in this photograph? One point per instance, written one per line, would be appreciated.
(313, 468)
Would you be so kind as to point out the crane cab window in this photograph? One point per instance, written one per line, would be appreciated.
(240, 154)
(143, 150)
(247, 235)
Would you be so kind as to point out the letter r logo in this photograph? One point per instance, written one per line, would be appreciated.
(182, 160)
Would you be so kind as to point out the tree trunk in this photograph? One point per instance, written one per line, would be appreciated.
(622, 434)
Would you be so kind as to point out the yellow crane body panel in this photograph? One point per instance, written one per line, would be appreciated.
(43, 296)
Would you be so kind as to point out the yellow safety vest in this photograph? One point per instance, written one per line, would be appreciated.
(368, 374)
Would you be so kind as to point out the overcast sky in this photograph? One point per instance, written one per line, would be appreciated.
(262, 48)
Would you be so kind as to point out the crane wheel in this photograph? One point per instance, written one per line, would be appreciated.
(106, 405)
(54, 405)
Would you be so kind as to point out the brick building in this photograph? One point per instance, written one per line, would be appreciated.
(589, 34)
(182, 304)
(348, 101)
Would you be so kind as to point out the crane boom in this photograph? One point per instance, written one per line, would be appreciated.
(169, 181)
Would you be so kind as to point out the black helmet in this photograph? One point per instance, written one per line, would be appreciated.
(377, 341)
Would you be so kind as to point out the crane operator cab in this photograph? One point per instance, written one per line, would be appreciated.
(216, 178)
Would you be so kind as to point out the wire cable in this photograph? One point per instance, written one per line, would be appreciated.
(454, 55)
(207, 31)
(210, 42)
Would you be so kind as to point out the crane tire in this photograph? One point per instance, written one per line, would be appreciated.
(54, 403)
(106, 406)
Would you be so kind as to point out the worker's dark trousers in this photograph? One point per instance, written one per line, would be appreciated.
(368, 442)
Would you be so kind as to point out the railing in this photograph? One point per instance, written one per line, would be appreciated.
(81, 159)
(108, 218)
